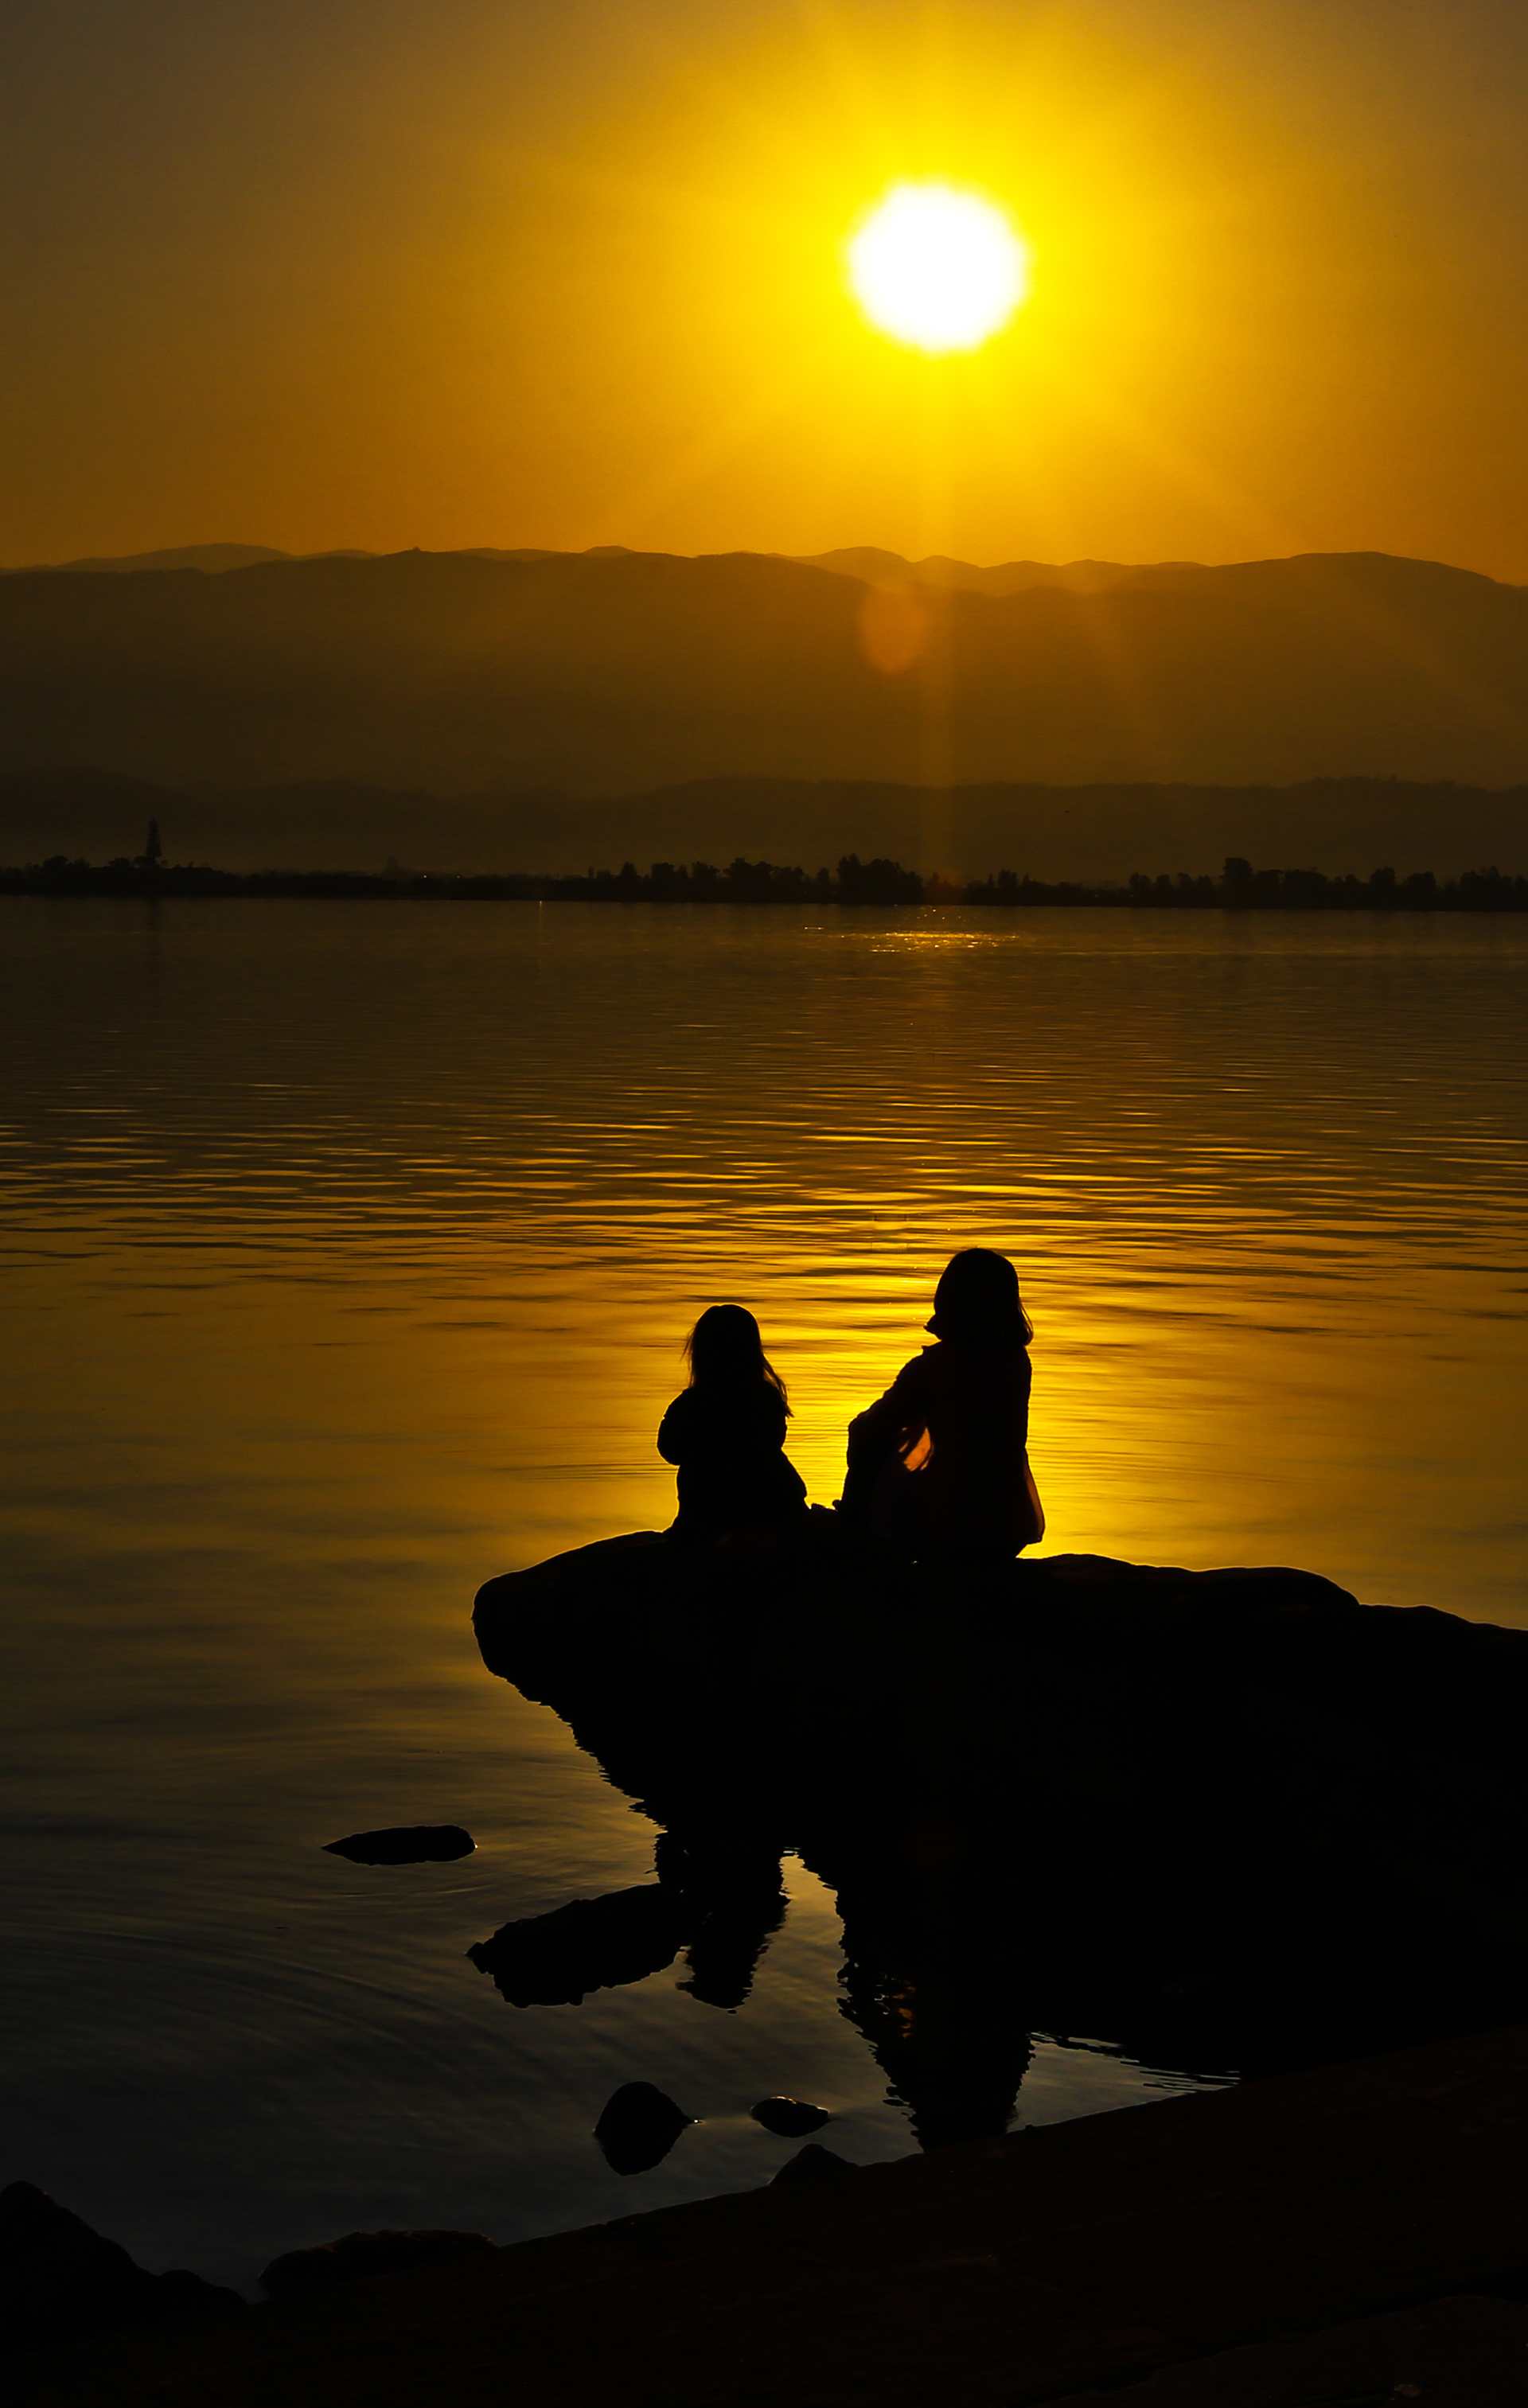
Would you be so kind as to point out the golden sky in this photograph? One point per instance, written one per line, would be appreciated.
(570, 272)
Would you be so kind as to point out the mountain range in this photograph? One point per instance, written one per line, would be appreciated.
(486, 686)
(863, 560)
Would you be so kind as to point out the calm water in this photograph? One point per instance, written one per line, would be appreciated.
(349, 1248)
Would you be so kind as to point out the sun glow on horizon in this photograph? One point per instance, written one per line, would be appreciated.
(936, 267)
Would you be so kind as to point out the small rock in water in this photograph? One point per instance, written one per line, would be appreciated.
(791, 2119)
(358, 2254)
(811, 2163)
(408, 1843)
(639, 2127)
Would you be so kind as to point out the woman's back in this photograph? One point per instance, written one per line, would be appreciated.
(940, 1460)
(972, 1403)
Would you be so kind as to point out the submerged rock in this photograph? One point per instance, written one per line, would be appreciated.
(62, 2281)
(407, 1843)
(790, 2119)
(639, 2127)
(358, 2255)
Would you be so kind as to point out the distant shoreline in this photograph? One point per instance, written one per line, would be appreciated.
(1240, 887)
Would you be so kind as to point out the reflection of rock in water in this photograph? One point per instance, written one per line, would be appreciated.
(592, 1943)
(600, 1943)
(1220, 1820)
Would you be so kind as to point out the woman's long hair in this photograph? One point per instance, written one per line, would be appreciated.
(725, 1350)
(977, 1302)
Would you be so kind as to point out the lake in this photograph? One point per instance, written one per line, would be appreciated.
(350, 1248)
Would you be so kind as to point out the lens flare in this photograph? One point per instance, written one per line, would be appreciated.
(937, 268)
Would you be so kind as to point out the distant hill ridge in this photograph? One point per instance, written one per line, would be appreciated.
(869, 563)
(939, 574)
(217, 559)
(613, 672)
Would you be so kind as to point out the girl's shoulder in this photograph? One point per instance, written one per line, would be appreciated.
(729, 1407)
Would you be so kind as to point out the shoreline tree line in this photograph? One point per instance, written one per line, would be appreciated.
(1239, 887)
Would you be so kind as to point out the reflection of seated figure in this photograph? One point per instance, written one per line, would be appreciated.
(725, 1432)
(731, 1882)
(936, 1996)
(928, 1978)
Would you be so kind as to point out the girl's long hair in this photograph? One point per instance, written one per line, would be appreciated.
(977, 1302)
(725, 1350)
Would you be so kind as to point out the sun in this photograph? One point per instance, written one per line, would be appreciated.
(937, 268)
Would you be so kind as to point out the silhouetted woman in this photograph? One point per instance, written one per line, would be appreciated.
(938, 1464)
(726, 1433)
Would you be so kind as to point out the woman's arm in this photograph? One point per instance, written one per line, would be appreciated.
(903, 1407)
(877, 1433)
(878, 1427)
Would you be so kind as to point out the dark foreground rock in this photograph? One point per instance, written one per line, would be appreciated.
(406, 1844)
(357, 2255)
(639, 2127)
(811, 2163)
(1356, 2235)
(62, 2281)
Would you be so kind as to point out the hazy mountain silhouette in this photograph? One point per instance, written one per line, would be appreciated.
(212, 559)
(940, 574)
(615, 673)
(216, 559)
(209, 557)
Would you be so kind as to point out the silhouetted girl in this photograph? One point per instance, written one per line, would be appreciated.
(938, 1464)
(726, 1433)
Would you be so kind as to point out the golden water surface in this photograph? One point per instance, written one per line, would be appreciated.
(349, 1248)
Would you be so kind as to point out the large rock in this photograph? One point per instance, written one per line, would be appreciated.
(1228, 1820)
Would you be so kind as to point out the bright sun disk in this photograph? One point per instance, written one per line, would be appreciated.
(937, 268)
